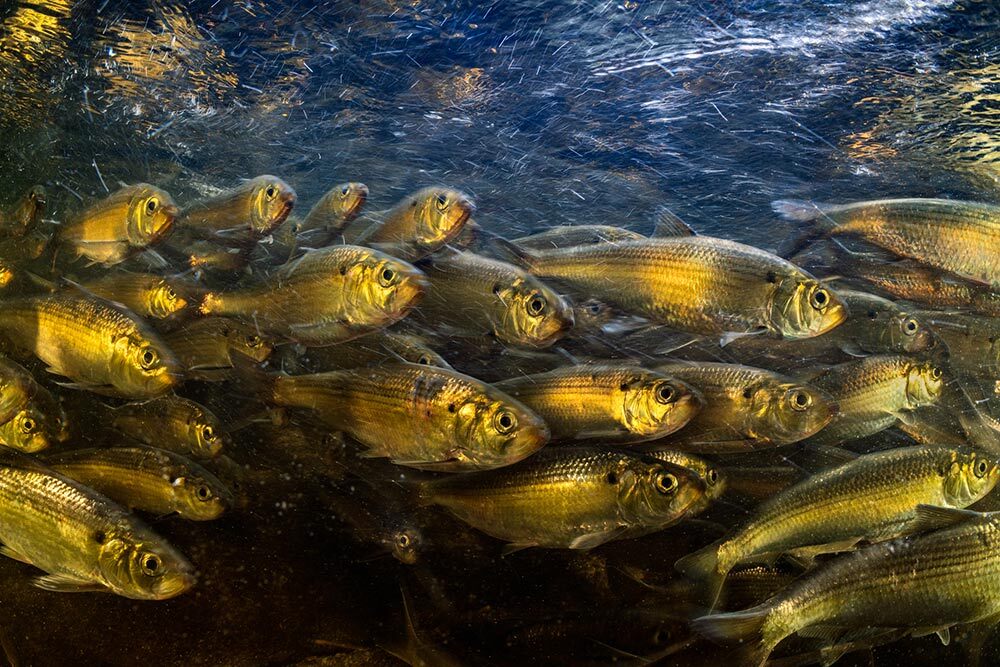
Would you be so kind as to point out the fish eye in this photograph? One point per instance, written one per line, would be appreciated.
(28, 425)
(100, 537)
(270, 192)
(387, 277)
(151, 564)
(505, 421)
(910, 326)
(594, 309)
(873, 314)
(713, 476)
(403, 540)
(344, 191)
(442, 201)
(151, 205)
(253, 340)
(748, 393)
(611, 478)
(665, 393)
(800, 400)
(666, 483)
(148, 358)
(208, 433)
(936, 373)
(536, 305)
(425, 360)
(203, 493)
(820, 298)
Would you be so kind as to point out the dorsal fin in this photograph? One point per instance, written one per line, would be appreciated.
(668, 224)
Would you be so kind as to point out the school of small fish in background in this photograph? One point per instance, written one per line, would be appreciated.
(578, 386)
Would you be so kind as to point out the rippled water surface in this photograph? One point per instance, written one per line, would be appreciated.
(547, 113)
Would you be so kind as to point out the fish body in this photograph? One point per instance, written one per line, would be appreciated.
(378, 347)
(960, 237)
(171, 422)
(748, 408)
(485, 296)
(242, 214)
(873, 497)
(568, 236)
(625, 404)
(326, 296)
(123, 223)
(697, 284)
(83, 540)
(145, 478)
(145, 294)
(570, 498)
(91, 342)
(419, 415)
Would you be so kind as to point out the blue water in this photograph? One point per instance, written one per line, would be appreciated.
(546, 112)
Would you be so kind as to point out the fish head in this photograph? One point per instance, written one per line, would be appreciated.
(803, 307)
(786, 412)
(968, 475)
(441, 214)
(531, 314)
(498, 430)
(32, 206)
(162, 300)
(388, 285)
(140, 565)
(924, 383)
(405, 542)
(248, 342)
(144, 367)
(654, 492)
(591, 315)
(205, 434)
(347, 200)
(272, 201)
(26, 430)
(151, 216)
(709, 473)
(655, 405)
(907, 333)
(202, 496)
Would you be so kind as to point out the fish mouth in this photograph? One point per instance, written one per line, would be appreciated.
(172, 585)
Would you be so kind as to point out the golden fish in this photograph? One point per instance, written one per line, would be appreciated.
(960, 237)
(148, 479)
(171, 422)
(419, 224)
(37, 424)
(339, 206)
(81, 539)
(123, 223)
(204, 347)
(625, 404)
(481, 296)
(27, 213)
(145, 294)
(93, 343)
(872, 498)
(247, 212)
(326, 296)
(417, 415)
(696, 284)
(570, 497)
(711, 475)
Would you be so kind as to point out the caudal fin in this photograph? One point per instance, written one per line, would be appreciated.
(739, 627)
(794, 209)
(703, 567)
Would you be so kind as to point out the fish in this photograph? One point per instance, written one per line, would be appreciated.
(621, 404)
(326, 296)
(711, 475)
(488, 297)
(938, 579)
(246, 213)
(695, 284)
(81, 539)
(37, 424)
(960, 237)
(416, 415)
(17, 387)
(148, 479)
(568, 236)
(125, 222)
(875, 326)
(204, 347)
(171, 422)
(335, 209)
(378, 347)
(419, 224)
(569, 497)
(145, 294)
(93, 343)
(875, 393)
(747, 408)
(872, 498)
(27, 213)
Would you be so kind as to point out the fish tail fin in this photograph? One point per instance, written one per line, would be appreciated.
(704, 566)
(210, 303)
(801, 211)
(743, 627)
